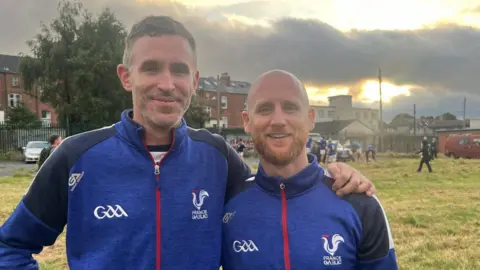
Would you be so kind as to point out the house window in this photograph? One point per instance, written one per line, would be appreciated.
(331, 114)
(15, 82)
(14, 100)
(224, 101)
(208, 109)
(321, 114)
(224, 122)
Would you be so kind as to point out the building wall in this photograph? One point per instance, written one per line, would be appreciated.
(28, 99)
(324, 113)
(343, 107)
(369, 117)
(475, 123)
(235, 105)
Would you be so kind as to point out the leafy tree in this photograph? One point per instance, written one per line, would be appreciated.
(22, 117)
(74, 62)
(401, 118)
(196, 116)
(446, 116)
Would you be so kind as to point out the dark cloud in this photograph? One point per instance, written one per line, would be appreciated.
(444, 59)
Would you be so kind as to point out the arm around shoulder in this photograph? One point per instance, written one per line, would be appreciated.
(39, 217)
(377, 247)
(238, 173)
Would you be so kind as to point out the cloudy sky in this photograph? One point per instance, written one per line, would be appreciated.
(428, 50)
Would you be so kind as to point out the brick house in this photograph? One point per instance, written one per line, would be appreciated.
(11, 80)
(232, 95)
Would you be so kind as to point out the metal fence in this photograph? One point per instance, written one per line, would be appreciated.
(13, 137)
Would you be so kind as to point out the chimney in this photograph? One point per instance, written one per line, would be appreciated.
(225, 79)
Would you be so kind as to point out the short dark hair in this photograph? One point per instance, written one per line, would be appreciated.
(155, 26)
(53, 138)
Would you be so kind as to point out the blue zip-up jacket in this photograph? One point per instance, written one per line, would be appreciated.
(122, 210)
(300, 223)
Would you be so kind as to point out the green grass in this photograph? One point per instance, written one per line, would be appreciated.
(435, 217)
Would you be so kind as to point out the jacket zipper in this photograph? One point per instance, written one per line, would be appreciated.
(286, 246)
(156, 172)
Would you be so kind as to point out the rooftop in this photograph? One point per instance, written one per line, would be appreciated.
(211, 84)
(9, 63)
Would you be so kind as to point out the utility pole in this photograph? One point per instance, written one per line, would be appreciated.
(414, 120)
(464, 112)
(381, 109)
(219, 85)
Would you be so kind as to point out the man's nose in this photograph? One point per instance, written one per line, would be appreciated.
(278, 118)
(165, 81)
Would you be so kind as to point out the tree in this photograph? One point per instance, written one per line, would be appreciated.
(446, 116)
(74, 62)
(22, 117)
(401, 119)
(196, 116)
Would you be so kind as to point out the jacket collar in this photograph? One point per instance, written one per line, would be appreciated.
(135, 133)
(294, 185)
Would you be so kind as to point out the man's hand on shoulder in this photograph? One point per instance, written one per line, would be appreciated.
(349, 180)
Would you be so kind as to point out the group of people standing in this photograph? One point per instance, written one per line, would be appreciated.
(327, 150)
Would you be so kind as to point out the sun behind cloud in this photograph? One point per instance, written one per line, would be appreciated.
(368, 92)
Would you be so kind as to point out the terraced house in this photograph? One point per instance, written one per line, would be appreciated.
(12, 92)
(226, 96)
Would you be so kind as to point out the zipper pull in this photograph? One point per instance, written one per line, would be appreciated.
(157, 169)
(282, 186)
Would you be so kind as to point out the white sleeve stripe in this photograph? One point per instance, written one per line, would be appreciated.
(390, 238)
(250, 179)
(327, 173)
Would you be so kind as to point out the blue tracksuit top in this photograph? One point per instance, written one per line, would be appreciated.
(300, 223)
(122, 210)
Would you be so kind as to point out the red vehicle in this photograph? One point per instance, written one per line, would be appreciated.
(464, 146)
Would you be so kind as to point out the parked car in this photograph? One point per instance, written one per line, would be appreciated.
(344, 153)
(32, 151)
(464, 146)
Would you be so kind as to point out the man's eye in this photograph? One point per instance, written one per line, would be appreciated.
(290, 108)
(264, 110)
(151, 69)
(180, 69)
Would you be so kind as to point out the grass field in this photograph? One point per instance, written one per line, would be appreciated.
(435, 218)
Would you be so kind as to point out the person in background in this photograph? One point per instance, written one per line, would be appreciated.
(277, 222)
(309, 144)
(371, 151)
(356, 151)
(331, 152)
(54, 141)
(425, 151)
(323, 150)
(434, 148)
(241, 148)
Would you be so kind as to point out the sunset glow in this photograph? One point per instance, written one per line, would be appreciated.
(369, 92)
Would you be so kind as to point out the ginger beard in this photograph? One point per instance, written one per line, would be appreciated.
(279, 157)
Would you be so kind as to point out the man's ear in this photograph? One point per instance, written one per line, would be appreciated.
(195, 80)
(124, 76)
(246, 121)
(311, 118)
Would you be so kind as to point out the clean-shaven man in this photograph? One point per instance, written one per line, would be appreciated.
(290, 218)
